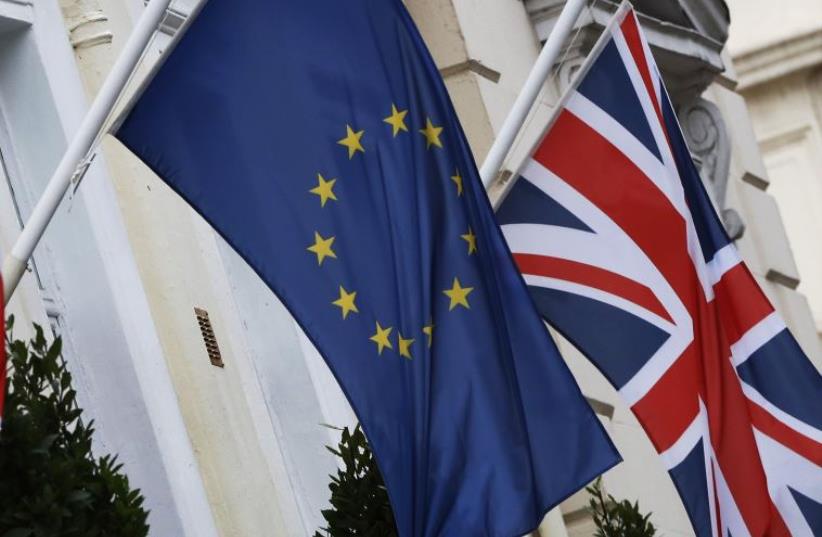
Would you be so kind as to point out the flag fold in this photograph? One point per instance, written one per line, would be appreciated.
(318, 139)
(624, 254)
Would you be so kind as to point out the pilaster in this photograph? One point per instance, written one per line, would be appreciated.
(441, 29)
(238, 483)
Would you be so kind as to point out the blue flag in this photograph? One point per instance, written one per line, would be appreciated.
(318, 139)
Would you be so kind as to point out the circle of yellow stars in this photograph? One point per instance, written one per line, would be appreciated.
(323, 247)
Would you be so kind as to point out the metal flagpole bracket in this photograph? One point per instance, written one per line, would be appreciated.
(81, 170)
(530, 91)
(178, 33)
(624, 6)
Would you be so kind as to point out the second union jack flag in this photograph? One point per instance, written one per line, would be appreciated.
(624, 254)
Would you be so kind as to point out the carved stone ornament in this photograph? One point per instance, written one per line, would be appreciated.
(566, 72)
(708, 140)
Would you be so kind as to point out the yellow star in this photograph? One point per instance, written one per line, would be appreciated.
(457, 178)
(352, 141)
(322, 247)
(397, 120)
(432, 134)
(324, 189)
(471, 239)
(428, 330)
(458, 295)
(381, 338)
(405, 346)
(346, 302)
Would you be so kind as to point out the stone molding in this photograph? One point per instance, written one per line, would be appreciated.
(471, 66)
(711, 18)
(777, 277)
(86, 24)
(690, 60)
(785, 137)
(601, 408)
(707, 138)
(777, 60)
(14, 14)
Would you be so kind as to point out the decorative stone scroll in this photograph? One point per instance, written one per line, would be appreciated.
(708, 140)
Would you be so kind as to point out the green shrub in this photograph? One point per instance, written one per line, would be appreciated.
(360, 506)
(617, 519)
(359, 500)
(50, 483)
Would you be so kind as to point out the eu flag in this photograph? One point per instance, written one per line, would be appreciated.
(318, 138)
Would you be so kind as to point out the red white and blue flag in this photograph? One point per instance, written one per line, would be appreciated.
(624, 254)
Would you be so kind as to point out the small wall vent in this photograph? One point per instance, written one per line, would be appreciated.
(208, 337)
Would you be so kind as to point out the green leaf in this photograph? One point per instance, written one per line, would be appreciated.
(359, 498)
(18, 532)
(613, 518)
(50, 483)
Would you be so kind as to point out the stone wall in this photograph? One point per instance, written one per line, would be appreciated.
(779, 68)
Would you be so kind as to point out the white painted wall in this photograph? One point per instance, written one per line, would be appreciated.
(800, 201)
(41, 103)
(780, 64)
(255, 425)
(300, 394)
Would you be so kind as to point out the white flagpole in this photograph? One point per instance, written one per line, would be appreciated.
(530, 91)
(15, 263)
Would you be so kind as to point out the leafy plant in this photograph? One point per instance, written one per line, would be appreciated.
(50, 483)
(360, 505)
(359, 499)
(617, 519)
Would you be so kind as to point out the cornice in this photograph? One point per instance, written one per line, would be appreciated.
(15, 13)
(472, 66)
(777, 60)
(710, 17)
(689, 59)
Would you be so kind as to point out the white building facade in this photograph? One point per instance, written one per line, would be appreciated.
(779, 68)
(196, 374)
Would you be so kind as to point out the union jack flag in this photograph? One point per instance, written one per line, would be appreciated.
(624, 255)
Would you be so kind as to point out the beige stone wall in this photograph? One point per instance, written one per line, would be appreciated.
(180, 267)
(767, 247)
(759, 23)
(780, 76)
(485, 51)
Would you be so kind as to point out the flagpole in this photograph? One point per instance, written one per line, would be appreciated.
(530, 90)
(74, 158)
